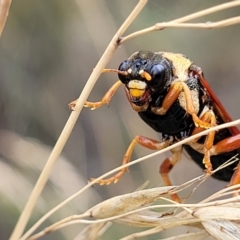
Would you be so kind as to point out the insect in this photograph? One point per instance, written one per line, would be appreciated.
(170, 94)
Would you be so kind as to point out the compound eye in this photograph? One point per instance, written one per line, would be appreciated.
(123, 67)
(158, 76)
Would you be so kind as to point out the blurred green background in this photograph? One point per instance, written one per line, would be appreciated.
(47, 52)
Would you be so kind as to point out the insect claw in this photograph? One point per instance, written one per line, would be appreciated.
(71, 105)
(116, 180)
(90, 180)
(208, 171)
(207, 162)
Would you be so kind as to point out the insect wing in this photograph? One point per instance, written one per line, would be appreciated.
(221, 111)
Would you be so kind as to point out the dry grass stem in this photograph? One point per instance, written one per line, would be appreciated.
(209, 25)
(222, 230)
(201, 213)
(201, 235)
(193, 236)
(21, 224)
(108, 209)
(176, 22)
(133, 209)
(4, 10)
(93, 231)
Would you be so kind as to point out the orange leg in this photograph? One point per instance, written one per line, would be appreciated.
(105, 100)
(208, 117)
(143, 141)
(227, 145)
(173, 95)
(235, 179)
(167, 166)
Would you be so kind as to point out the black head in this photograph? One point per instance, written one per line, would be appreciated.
(145, 73)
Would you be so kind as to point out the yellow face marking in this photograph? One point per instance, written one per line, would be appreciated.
(145, 75)
(137, 88)
(129, 70)
(137, 84)
(136, 92)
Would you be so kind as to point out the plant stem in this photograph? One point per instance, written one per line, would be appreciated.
(26, 213)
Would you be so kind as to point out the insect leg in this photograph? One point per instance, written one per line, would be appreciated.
(143, 141)
(227, 145)
(173, 95)
(208, 117)
(105, 100)
(167, 166)
(235, 179)
(169, 99)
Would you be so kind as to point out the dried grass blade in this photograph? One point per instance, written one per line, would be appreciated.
(222, 230)
(127, 202)
(201, 235)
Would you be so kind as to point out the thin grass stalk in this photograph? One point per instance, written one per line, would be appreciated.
(26, 213)
(190, 208)
(160, 26)
(4, 10)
